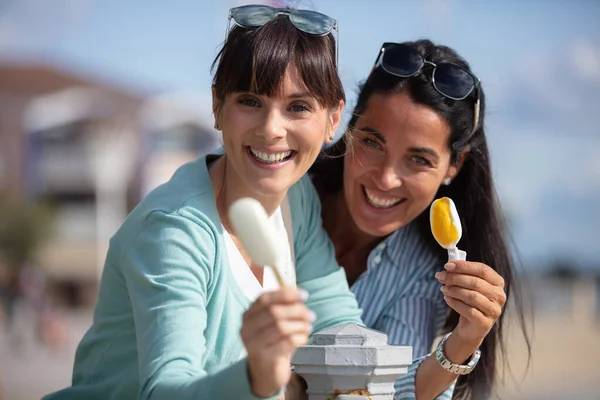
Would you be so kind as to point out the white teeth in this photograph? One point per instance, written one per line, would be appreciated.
(379, 202)
(270, 157)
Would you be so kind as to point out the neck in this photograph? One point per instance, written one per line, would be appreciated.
(228, 187)
(340, 226)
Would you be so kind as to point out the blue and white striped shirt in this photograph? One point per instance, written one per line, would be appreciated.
(400, 296)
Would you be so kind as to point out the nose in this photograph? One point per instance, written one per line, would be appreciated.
(388, 178)
(273, 127)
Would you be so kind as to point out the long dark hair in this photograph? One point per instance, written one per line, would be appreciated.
(255, 60)
(472, 190)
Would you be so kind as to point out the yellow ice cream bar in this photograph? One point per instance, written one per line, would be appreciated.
(445, 223)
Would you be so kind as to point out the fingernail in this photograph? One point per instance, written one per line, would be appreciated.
(450, 266)
(312, 317)
(446, 298)
(441, 276)
(444, 289)
(303, 294)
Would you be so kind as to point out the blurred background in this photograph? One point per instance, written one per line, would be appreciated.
(100, 101)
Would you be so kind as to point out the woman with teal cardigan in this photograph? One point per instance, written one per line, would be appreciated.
(177, 286)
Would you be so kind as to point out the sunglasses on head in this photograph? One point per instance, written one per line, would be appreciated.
(311, 22)
(450, 80)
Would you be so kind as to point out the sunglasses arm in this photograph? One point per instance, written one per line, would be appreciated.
(379, 55)
(476, 110)
(228, 27)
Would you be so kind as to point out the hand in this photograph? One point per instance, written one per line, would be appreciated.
(272, 328)
(476, 292)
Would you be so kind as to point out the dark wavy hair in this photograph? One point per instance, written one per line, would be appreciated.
(472, 190)
(255, 60)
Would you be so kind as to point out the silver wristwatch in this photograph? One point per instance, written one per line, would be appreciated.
(449, 366)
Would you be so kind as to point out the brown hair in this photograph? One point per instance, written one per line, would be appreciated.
(255, 60)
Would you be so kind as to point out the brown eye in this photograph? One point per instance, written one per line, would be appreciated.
(421, 161)
(300, 108)
(250, 102)
(370, 143)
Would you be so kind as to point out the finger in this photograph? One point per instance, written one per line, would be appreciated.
(281, 348)
(285, 295)
(275, 314)
(494, 293)
(284, 336)
(472, 314)
(473, 299)
(282, 331)
(480, 270)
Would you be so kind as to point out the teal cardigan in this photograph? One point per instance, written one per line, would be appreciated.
(168, 317)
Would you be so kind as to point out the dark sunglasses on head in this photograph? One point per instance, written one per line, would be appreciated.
(311, 22)
(450, 80)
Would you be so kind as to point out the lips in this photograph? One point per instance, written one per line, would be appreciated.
(379, 201)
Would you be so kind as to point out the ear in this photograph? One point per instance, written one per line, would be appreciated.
(216, 106)
(456, 167)
(335, 117)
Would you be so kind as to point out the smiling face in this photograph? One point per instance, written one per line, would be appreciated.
(271, 141)
(399, 158)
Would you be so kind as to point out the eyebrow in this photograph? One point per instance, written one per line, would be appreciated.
(379, 136)
(425, 150)
(373, 132)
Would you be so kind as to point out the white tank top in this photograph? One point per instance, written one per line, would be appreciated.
(245, 279)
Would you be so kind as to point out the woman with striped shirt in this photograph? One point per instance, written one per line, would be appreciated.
(416, 134)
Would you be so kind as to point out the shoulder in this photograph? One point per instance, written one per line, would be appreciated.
(181, 209)
(305, 205)
(302, 193)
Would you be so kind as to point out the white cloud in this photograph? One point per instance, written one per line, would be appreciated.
(586, 61)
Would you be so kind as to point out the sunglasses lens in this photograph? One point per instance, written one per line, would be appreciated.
(312, 22)
(402, 60)
(453, 81)
(253, 16)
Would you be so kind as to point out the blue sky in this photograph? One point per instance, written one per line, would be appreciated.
(539, 61)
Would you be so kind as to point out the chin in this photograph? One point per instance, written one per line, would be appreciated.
(271, 187)
(378, 231)
(372, 228)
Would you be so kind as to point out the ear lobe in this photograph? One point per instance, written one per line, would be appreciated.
(330, 137)
(335, 117)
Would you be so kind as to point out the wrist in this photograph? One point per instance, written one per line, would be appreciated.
(459, 350)
(258, 387)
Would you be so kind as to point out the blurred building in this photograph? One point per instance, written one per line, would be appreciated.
(174, 131)
(92, 150)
